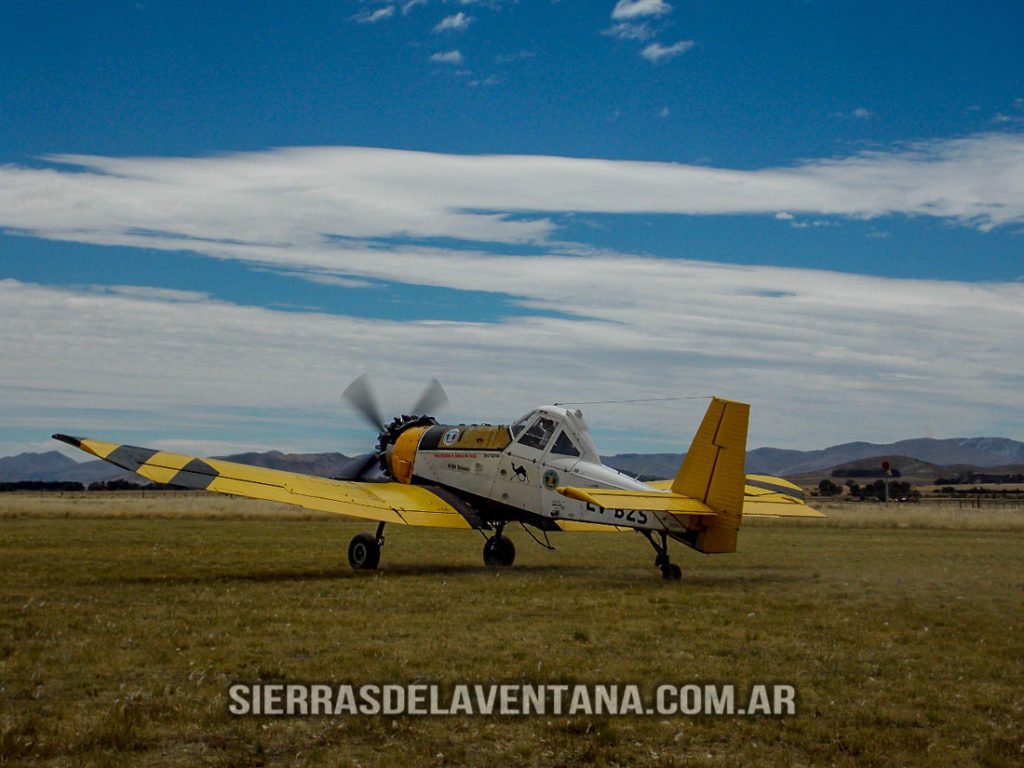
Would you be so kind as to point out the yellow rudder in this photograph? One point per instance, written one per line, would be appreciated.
(713, 473)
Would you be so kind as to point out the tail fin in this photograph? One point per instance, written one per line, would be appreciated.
(712, 472)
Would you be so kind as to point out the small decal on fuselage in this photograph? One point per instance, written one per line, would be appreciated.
(551, 479)
(450, 436)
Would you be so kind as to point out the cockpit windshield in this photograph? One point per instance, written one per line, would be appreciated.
(539, 433)
(517, 428)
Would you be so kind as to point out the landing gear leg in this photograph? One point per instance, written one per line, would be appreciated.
(669, 570)
(499, 550)
(364, 550)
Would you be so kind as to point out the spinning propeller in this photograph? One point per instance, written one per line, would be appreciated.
(360, 395)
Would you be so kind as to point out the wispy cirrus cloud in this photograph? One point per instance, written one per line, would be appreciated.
(656, 52)
(372, 16)
(634, 9)
(458, 22)
(295, 196)
(637, 20)
(448, 57)
(630, 31)
(801, 345)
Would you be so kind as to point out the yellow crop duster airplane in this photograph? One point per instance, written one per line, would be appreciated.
(542, 471)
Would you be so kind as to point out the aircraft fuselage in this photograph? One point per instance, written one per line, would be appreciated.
(519, 468)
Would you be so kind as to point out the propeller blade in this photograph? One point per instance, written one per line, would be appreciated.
(433, 397)
(359, 467)
(359, 394)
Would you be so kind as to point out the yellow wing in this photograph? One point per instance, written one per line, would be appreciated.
(383, 502)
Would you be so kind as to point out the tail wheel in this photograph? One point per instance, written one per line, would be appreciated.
(364, 552)
(499, 551)
(671, 572)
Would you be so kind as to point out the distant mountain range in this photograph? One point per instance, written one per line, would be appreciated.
(982, 452)
(53, 466)
(958, 452)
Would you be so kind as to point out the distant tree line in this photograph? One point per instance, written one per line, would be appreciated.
(980, 490)
(120, 485)
(972, 478)
(40, 485)
(68, 486)
(851, 472)
(899, 490)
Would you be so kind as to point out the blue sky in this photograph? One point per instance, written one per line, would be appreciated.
(215, 215)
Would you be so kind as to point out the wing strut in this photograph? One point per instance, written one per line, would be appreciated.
(546, 544)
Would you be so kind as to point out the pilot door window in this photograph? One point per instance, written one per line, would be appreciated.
(539, 433)
(564, 446)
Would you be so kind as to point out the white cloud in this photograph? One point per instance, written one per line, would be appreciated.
(458, 22)
(664, 112)
(158, 294)
(296, 197)
(633, 9)
(321, 278)
(656, 52)
(630, 31)
(802, 345)
(408, 6)
(448, 57)
(1000, 118)
(372, 17)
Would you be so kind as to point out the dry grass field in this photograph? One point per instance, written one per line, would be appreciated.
(125, 618)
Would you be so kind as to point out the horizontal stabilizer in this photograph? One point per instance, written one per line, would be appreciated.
(767, 496)
(647, 501)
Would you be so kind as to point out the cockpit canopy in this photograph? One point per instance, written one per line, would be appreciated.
(559, 431)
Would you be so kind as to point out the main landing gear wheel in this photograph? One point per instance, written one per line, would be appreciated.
(364, 550)
(499, 551)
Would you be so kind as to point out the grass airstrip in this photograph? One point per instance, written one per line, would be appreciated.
(124, 618)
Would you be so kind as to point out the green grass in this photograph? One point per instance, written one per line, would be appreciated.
(120, 636)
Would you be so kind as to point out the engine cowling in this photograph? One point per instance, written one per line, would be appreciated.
(396, 445)
(401, 441)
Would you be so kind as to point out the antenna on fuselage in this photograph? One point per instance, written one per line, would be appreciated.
(640, 400)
